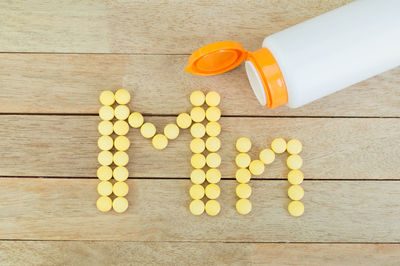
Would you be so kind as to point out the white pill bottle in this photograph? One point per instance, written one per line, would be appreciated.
(315, 58)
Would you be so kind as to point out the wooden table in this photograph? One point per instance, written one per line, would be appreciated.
(57, 56)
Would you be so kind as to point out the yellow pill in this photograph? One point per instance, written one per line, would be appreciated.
(243, 175)
(213, 160)
(242, 160)
(104, 172)
(171, 131)
(160, 141)
(213, 176)
(213, 144)
(294, 161)
(184, 120)
(105, 158)
(197, 98)
(120, 204)
(104, 204)
(106, 113)
(267, 156)
(196, 207)
(121, 158)
(213, 98)
(196, 191)
(105, 143)
(197, 176)
(148, 130)
(121, 128)
(295, 192)
(213, 129)
(120, 173)
(122, 96)
(243, 144)
(243, 191)
(122, 112)
(107, 98)
(294, 146)
(212, 191)
(197, 145)
(198, 160)
(105, 128)
(135, 119)
(243, 206)
(212, 207)
(295, 177)
(213, 113)
(278, 145)
(104, 188)
(120, 189)
(296, 208)
(122, 143)
(197, 130)
(256, 167)
(197, 114)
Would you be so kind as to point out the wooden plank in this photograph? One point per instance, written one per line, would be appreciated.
(43, 83)
(64, 209)
(170, 27)
(177, 253)
(341, 148)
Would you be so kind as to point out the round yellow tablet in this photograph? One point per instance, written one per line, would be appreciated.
(106, 113)
(196, 191)
(243, 206)
(184, 120)
(104, 188)
(213, 129)
(122, 112)
(213, 144)
(212, 191)
(197, 176)
(213, 160)
(295, 177)
(197, 98)
(197, 114)
(243, 160)
(120, 189)
(120, 204)
(213, 98)
(107, 98)
(121, 158)
(267, 156)
(243, 191)
(104, 172)
(294, 146)
(122, 143)
(295, 192)
(148, 130)
(243, 144)
(296, 208)
(213, 176)
(212, 207)
(105, 143)
(294, 161)
(105, 128)
(197, 145)
(213, 113)
(278, 145)
(122, 96)
(105, 157)
(121, 127)
(243, 175)
(104, 204)
(196, 207)
(256, 167)
(160, 141)
(198, 160)
(120, 173)
(171, 131)
(135, 119)
(197, 130)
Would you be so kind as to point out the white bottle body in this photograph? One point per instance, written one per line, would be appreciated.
(337, 49)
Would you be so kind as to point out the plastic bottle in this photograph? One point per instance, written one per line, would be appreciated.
(315, 58)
